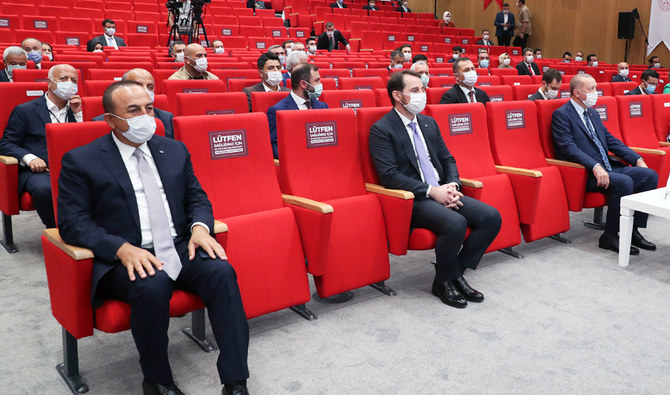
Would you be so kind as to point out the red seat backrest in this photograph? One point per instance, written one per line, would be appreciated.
(635, 121)
(262, 101)
(211, 104)
(97, 87)
(172, 87)
(523, 92)
(503, 72)
(621, 88)
(660, 105)
(498, 92)
(441, 82)
(515, 140)
(318, 154)
(366, 117)
(433, 95)
(16, 93)
(237, 146)
(350, 98)
(516, 79)
(382, 97)
(370, 83)
(238, 84)
(608, 110)
(378, 72)
(545, 110)
(488, 80)
(604, 89)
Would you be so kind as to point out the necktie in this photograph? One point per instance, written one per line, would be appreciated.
(422, 156)
(308, 104)
(592, 134)
(472, 96)
(530, 67)
(160, 227)
(332, 42)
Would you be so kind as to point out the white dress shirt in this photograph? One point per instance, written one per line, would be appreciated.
(543, 95)
(299, 101)
(467, 91)
(111, 42)
(505, 19)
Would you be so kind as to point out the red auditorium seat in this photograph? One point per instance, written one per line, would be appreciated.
(211, 104)
(382, 97)
(433, 95)
(236, 85)
(488, 80)
(82, 25)
(57, 11)
(660, 104)
(538, 187)
(172, 87)
(91, 106)
(621, 88)
(262, 101)
(498, 92)
(41, 35)
(465, 132)
(352, 98)
(516, 79)
(71, 38)
(128, 65)
(360, 83)
(260, 219)
(376, 72)
(227, 75)
(523, 92)
(40, 75)
(504, 72)
(441, 82)
(341, 257)
(142, 39)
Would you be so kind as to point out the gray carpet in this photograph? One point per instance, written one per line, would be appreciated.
(565, 319)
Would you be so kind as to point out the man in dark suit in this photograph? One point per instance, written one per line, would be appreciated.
(580, 136)
(269, 70)
(14, 58)
(132, 198)
(456, 53)
(108, 39)
(403, 7)
(338, 4)
(371, 6)
(505, 25)
(145, 78)
(485, 38)
(305, 91)
(331, 38)
(25, 136)
(409, 153)
(648, 83)
(528, 66)
(622, 76)
(551, 84)
(464, 91)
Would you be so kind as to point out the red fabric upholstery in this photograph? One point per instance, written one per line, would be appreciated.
(227, 75)
(352, 98)
(516, 79)
(379, 72)
(361, 83)
(37, 75)
(382, 97)
(660, 105)
(172, 87)
(433, 95)
(245, 195)
(262, 101)
(523, 92)
(211, 104)
(497, 92)
(621, 88)
(487, 80)
(543, 207)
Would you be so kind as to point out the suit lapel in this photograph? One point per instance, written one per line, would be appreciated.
(112, 159)
(42, 110)
(580, 122)
(401, 132)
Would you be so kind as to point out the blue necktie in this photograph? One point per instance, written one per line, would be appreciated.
(426, 167)
(592, 133)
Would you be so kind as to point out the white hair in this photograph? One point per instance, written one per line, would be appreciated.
(13, 50)
(417, 63)
(295, 58)
(53, 69)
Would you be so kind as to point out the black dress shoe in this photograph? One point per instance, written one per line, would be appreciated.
(160, 389)
(611, 242)
(472, 295)
(641, 242)
(448, 294)
(238, 388)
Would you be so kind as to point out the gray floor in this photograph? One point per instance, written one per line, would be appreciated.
(566, 319)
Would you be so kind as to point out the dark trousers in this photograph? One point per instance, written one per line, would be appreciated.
(624, 180)
(215, 282)
(523, 42)
(505, 38)
(38, 185)
(450, 226)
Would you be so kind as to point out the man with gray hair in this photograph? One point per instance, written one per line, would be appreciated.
(294, 58)
(280, 52)
(421, 68)
(14, 58)
(397, 59)
(580, 136)
(25, 137)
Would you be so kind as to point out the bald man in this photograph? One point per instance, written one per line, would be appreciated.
(195, 65)
(145, 78)
(33, 48)
(622, 75)
(25, 137)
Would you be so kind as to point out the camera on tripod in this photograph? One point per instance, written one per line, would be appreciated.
(187, 20)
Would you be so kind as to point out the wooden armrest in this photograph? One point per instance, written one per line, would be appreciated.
(664, 144)
(519, 171)
(295, 13)
(648, 151)
(8, 160)
(558, 162)
(220, 227)
(471, 183)
(76, 253)
(365, 49)
(396, 193)
(310, 204)
(277, 162)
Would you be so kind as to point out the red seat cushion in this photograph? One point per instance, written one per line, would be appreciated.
(26, 202)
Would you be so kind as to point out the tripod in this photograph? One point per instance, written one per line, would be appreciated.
(174, 31)
(197, 25)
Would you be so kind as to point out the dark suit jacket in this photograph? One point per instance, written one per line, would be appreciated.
(285, 77)
(334, 5)
(618, 78)
(500, 19)
(90, 45)
(286, 103)
(401, 10)
(97, 208)
(573, 143)
(395, 160)
(536, 96)
(324, 43)
(367, 7)
(3, 76)
(164, 116)
(485, 42)
(522, 68)
(26, 134)
(455, 95)
(637, 91)
(257, 88)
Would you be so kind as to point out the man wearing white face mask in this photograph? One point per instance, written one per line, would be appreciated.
(505, 25)
(528, 66)
(551, 83)
(406, 51)
(409, 153)
(421, 68)
(14, 58)
(108, 39)
(331, 39)
(622, 75)
(177, 51)
(269, 69)
(648, 83)
(485, 38)
(217, 47)
(311, 45)
(397, 60)
(464, 91)
(580, 136)
(132, 198)
(306, 88)
(195, 65)
(25, 137)
(403, 7)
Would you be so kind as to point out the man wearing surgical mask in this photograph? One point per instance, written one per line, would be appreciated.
(14, 58)
(648, 83)
(280, 52)
(108, 39)
(305, 91)
(406, 51)
(177, 51)
(338, 4)
(551, 84)
(269, 69)
(464, 91)
(505, 25)
(397, 59)
(622, 73)
(311, 46)
(25, 137)
(217, 47)
(483, 59)
(33, 48)
(457, 51)
(580, 136)
(403, 7)
(528, 66)
(195, 65)
(592, 60)
(371, 6)
(486, 38)
(331, 39)
(409, 153)
(421, 68)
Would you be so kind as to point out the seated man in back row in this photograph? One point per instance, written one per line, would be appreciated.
(195, 65)
(464, 91)
(269, 69)
(25, 136)
(648, 83)
(580, 136)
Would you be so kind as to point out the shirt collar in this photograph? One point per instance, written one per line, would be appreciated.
(542, 94)
(404, 119)
(298, 100)
(578, 108)
(466, 90)
(53, 107)
(126, 150)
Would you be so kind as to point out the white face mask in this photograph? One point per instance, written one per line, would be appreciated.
(274, 78)
(470, 78)
(407, 56)
(578, 58)
(624, 72)
(539, 56)
(97, 50)
(10, 69)
(505, 12)
(657, 65)
(594, 64)
(312, 48)
(179, 57)
(551, 94)
(397, 66)
(417, 102)
(200, 64)
(447, 19)
(318, 90)
(219, 50)
(591, 98)
(530, 59)
(110, 31)
(65, 89)
(485, 37)
(456, 56)
(425, 79)
(50, 56)
(140, 128)
(151, 94)
(506, 62)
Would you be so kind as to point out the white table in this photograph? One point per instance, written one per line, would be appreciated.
(650, 202)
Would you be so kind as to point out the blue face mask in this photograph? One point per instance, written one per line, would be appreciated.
(35, 56)
(318, 89)
(650, 89)
(484, 63)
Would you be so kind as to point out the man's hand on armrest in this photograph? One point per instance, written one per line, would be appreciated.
(200, 237)
(602, 176)
(641, 163)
